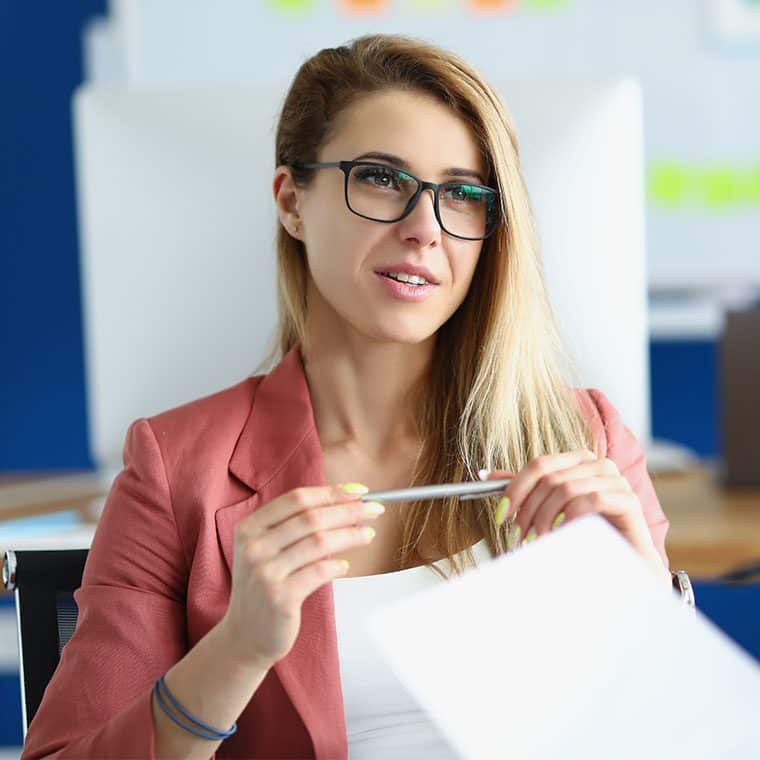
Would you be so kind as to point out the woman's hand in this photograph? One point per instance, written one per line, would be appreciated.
(558, 488)
(280, 558)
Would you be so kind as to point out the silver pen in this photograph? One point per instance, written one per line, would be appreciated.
(464, 491)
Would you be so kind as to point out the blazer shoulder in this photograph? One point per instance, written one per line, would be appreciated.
(597, 409)
(224, 406)
(614, 439)
(205, 428)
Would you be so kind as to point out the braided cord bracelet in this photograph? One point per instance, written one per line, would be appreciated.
(207, 732)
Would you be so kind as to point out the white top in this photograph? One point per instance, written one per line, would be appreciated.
(382, 719)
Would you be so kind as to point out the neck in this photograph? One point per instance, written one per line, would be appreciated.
(362, 389)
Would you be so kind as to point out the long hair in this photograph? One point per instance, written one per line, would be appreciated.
(498, 391)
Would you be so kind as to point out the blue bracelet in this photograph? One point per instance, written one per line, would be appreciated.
(171, 717)
(213, 733)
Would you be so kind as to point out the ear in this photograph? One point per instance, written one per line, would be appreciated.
(286, 197)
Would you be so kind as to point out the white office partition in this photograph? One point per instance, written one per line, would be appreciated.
(582, 149)
(177, 223)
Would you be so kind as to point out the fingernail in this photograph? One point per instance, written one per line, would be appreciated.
(501, 510)
(374, 508)
(368, 533)
(558, 520)
(483, 474)
(513, 538)
(344, 564)
(531, 536)
(354, 488)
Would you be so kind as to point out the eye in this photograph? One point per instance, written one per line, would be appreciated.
(382, 178)
(466, 193)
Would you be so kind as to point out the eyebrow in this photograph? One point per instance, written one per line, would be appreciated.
(453, 171)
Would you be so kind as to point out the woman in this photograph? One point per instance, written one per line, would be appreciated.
(416, 345)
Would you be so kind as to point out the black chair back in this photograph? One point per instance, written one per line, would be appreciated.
(43, 582)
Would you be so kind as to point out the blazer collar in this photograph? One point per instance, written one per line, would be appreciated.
(278, 450)
(282, 416)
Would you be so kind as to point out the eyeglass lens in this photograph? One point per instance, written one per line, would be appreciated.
(384, 193)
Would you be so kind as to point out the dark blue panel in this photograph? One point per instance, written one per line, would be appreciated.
(685, 393)
(42, 401)
(11, 732)
(735, 609)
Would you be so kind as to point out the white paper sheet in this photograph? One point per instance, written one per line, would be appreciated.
(571, 648)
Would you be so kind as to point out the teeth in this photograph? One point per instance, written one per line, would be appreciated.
(402, 277)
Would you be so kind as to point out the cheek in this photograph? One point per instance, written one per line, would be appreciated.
(463, 265)
(333, 251)
(328, 246)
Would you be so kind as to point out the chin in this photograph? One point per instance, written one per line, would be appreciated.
(411, 335)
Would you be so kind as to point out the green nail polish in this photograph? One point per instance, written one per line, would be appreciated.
(501, 510)
(513, 539)
(558, 520)
(357, 488)
(531, 536)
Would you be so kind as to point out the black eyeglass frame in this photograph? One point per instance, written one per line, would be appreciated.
(347, 166)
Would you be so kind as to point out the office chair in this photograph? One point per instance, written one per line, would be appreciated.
(43, 582)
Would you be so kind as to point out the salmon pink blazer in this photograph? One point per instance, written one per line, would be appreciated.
(158, 575)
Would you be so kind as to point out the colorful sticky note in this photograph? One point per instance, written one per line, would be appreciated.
(291, 6)
(669, 183)
(546, 5)
(355, 7)
(493, 6)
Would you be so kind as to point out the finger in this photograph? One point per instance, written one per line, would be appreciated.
(308, 579)
(525, 480)
(495, 474)
(559, 499)
(621, 509)
(559, 481)
(315, 519)
(316, 547)
(300, 499)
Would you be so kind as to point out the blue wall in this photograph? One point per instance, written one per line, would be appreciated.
(685, 392)
(42, 395)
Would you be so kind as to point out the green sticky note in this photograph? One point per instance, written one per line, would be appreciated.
(291, 6)
(669, 183)
(721, 188)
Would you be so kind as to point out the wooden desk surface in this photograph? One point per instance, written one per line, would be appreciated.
(713, 529)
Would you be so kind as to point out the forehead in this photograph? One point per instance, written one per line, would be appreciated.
(425, 132)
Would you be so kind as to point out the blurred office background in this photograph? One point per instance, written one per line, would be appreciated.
(697, 64)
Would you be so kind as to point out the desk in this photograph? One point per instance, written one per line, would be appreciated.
(31, 494)
(712, 529)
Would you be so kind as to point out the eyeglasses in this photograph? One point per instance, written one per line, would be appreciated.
(383, 193)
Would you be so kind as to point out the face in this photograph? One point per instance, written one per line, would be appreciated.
(347, 254)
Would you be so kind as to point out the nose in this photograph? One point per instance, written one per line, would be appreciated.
(420, 226)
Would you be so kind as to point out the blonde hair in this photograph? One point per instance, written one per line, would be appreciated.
(496, 395)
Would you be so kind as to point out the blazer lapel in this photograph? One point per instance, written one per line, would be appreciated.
(279, 450)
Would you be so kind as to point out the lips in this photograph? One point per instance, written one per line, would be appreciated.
(410, 269)
(403, 291)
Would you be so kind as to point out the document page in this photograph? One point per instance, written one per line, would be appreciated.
(570, 647)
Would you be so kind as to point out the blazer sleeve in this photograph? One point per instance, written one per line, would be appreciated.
(131, 624)
(618, 443)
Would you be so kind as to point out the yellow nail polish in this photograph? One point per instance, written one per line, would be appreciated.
(368, 533)
(531, 536)
(356, 488)
(374, 508)
(558, 520)
(513, 539)
(344, 564)
(501, 510)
